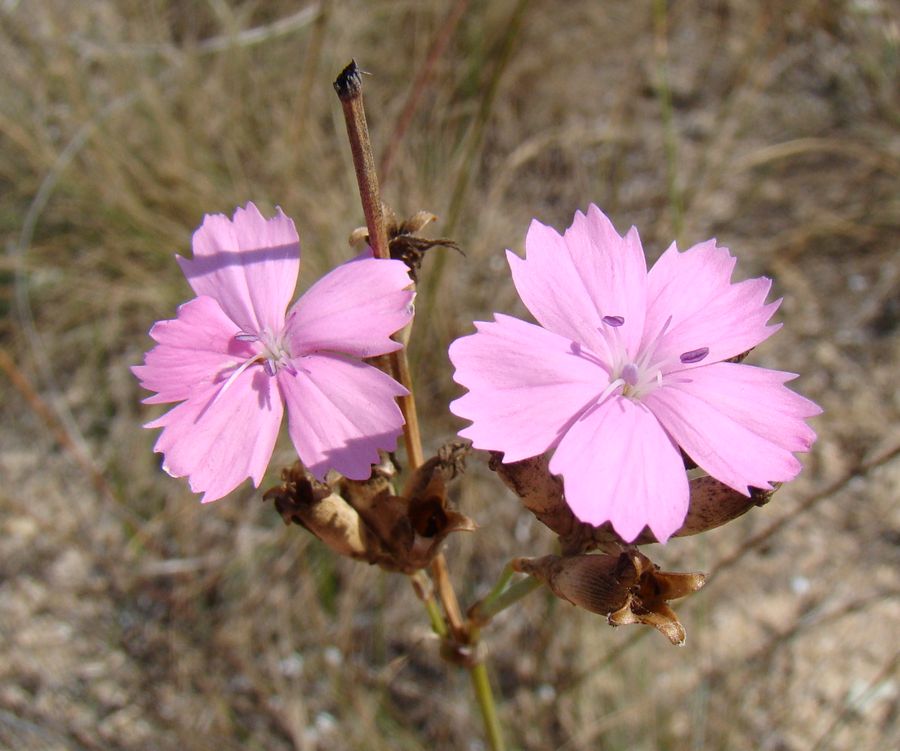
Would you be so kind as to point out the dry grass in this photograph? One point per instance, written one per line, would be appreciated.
(131, 618)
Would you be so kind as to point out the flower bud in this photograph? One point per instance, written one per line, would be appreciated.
(628, 588)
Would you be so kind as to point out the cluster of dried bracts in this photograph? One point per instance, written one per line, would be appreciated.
(371, 521)
(368, 520)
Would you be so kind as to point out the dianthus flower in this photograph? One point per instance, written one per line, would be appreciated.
(235, 359)
(626, 367)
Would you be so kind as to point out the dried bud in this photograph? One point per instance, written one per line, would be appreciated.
(403, 238)
(628, 588)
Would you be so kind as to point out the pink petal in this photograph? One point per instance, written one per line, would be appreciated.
(353, 309)
(526, 385)
(340, 413)
(738, 422)
(571, 283)
(706, 310)
(193, 351)
(613, 269)
(249, 265)
(619, 465)
(220, 436)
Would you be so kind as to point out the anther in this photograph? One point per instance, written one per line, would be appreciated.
(614, 321)
(695, 355)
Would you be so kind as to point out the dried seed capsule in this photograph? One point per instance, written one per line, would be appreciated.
(628, 588)
(301, 500)
(599, 583)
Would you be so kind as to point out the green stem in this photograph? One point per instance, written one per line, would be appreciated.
(435, 616)
(425, 593)
(485, 696)
(502, 581)
(502, 596)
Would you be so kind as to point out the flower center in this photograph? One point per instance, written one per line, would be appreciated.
(639, 376)
(273, 352)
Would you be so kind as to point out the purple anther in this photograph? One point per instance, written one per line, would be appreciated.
(614, 321)
(244, 337)
(695, 355)
(269, 367)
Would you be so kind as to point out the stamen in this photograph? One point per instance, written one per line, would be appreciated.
(269, 367)
(233, 377)
(695, 355)
(650, 350)
(613, 340)
(245, 337)
(613, 385)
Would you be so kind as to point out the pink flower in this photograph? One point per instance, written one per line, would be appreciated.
(235, 360)
(627, 366)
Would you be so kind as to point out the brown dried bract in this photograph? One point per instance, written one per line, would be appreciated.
(404, 240)
(628, 588)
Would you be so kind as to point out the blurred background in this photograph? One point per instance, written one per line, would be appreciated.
(133, 618)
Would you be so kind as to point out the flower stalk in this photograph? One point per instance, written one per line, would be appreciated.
(463, 637)
(502, 596)
(348, 86)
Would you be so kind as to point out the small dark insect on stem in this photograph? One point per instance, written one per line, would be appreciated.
(348, 86)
